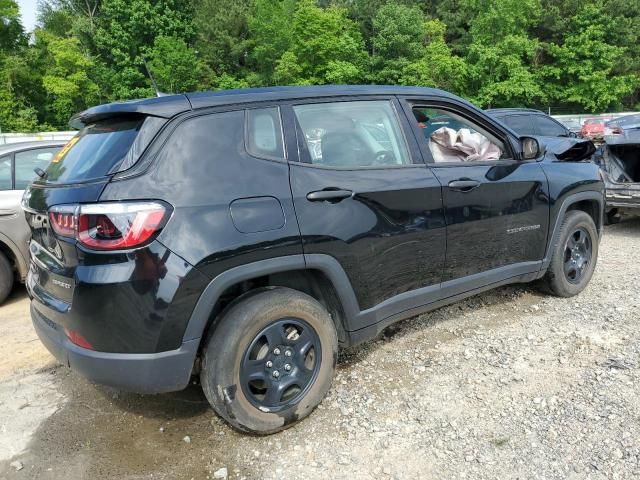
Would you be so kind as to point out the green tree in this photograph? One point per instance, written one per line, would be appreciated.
(588, 72)
(437, 67)
(270, 35)
(221, 28)
(327, 48)
(175, 66)
(16, 110)
(126, 29)
(67, 82)
(12, 36)
(502, 58)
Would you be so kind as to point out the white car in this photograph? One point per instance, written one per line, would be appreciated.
(18, 162)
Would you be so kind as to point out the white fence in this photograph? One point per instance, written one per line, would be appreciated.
(583, 116)
(6, 138)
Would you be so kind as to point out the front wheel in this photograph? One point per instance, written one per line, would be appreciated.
(575, 255)
(270, 360)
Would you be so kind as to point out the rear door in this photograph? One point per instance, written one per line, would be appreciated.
(496, 206)
(363, 196)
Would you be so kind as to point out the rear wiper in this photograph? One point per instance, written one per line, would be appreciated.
(41, 173)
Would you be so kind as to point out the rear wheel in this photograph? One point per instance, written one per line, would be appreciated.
(575, 255)
(6, 277)
(270, 360)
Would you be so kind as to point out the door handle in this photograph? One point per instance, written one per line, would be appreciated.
(463, 185)
(329, 195)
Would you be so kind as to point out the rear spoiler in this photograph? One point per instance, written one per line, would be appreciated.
(163, 107)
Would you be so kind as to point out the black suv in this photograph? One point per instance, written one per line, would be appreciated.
(245, 235)
(527, 121)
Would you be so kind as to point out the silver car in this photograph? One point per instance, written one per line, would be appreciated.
(18, 162)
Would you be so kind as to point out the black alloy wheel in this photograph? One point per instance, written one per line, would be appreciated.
(577, 255)
(280, 364)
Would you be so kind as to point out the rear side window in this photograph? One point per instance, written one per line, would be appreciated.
(27, 161)
(264, 133)
(352, 134)
(97, 150)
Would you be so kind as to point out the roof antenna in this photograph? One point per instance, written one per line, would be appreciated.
(153, 82)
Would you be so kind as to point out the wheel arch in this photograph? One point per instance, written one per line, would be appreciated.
(591, 202)
(319, 276)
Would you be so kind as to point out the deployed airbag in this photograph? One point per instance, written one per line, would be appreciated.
(449, 145)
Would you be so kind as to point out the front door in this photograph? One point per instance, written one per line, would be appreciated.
(496, 206)
(363, 196)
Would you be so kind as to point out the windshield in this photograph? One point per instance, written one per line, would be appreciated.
(97, 150)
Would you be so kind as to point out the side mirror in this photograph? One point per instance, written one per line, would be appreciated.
(530, 148)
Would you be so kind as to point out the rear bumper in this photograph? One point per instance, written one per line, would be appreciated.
(137, 372)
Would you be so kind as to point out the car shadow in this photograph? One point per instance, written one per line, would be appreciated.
(18, 294)
(184, 404)
(502, 296)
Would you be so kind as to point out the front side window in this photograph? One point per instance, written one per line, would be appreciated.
(5, 172)
(264, 133)
(452, 138)
(352, 134)
(28, 161)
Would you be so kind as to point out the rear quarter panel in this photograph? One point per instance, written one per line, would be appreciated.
(215, 187)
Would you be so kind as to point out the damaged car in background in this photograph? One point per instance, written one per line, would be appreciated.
(619, 159)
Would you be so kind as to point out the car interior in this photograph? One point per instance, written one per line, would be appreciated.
(352, 134)
(452, 138)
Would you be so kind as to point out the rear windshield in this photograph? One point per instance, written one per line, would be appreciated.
(97, 150)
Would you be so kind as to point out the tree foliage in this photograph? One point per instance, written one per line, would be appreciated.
(576, 55)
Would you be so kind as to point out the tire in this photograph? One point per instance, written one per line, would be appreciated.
(565, 277)
(6, 278)
(245, 341)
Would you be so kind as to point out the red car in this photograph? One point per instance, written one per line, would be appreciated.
(593, 128)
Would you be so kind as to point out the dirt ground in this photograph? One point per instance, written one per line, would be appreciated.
(508, 384)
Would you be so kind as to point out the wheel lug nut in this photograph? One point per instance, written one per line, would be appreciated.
(287, 367)
(276, 374)
(269, 364)
(287, 353)
(276, 351)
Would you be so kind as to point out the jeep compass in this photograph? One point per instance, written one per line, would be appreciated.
(244, 236)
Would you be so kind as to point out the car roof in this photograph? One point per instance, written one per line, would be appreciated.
(14, 147)
(634, 117)
(494, 111)
(167, 106)
(630, 137)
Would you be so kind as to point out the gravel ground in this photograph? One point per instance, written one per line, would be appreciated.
(508, 384)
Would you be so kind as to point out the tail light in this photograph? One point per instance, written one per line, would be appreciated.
(110, 226)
